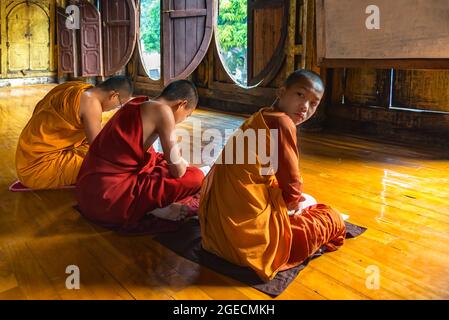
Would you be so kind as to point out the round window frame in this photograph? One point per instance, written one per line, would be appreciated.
(276, 61)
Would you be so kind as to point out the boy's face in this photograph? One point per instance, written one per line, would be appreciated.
(300, 100)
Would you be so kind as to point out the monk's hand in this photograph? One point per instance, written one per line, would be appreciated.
(186, 163)
(178, 168)
(293, 208)
(291, 212)
(307, 202)
(304, 202)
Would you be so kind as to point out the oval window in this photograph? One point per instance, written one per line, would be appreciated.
(150, 37)
(250, 37)
(232, 39)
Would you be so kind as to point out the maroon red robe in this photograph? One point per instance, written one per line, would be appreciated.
(119, 181)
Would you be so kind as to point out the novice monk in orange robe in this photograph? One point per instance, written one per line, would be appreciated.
(123, 178)
(55, 141)
(253, 218)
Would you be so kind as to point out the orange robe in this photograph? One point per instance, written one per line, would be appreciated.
(243, 213)
(53, 144)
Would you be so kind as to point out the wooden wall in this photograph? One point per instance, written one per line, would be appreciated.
(410, 106)
(422, 89)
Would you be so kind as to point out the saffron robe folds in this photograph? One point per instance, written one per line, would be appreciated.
(53, 144)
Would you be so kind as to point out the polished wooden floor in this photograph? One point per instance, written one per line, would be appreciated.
(400, 193)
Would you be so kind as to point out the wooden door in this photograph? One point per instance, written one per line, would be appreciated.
(18, 42)
(28, 32)
(91, 46)
(267, 34)
(187, 32)
(39, 39)
(119, 33)
(67, 45)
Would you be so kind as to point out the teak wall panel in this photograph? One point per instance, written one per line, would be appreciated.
(267, 23)
(365, 86)
(422, 89)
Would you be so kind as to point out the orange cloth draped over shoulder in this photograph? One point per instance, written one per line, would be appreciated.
(53, 144)
(243, 210)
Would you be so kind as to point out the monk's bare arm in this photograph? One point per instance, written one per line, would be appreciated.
(160, 118)
(90, 114)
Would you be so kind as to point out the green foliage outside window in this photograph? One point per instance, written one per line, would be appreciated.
(150, 25)
(232, 37)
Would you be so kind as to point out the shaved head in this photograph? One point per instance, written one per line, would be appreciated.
(301, 74)
(117, 83)
(181, 90)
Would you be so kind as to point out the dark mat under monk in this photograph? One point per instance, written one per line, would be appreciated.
(149, 225)
(186, 242)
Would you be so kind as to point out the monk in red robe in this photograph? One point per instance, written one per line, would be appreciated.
(254, 217)
(122, 177)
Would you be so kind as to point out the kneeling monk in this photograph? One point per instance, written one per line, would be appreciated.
(123, 177)
(251, 215)
(55, 141)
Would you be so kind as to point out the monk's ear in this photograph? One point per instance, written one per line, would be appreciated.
(176, 105)
(182, 104)
(113, 94)
(281, 91)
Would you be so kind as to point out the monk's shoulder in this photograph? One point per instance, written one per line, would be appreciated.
(153, 106)
(279, 120)
(88, 95)
(156, 111)
(89, 104)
